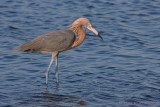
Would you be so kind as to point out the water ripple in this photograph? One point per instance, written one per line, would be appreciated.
(122, 70)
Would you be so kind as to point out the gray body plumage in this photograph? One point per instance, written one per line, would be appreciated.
(55, 41)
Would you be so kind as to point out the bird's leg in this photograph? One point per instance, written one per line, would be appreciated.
(56, 70)
(47, 72)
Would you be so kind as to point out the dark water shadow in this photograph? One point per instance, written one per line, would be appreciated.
(56, 100)
(52, 99)
(49, 99)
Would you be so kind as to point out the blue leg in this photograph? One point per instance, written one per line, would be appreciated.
(48, 69)
(47, 72)
(56, 69)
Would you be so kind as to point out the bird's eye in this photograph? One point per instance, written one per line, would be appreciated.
(89, 24)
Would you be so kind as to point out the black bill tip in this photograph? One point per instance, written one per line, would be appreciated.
(100, 36)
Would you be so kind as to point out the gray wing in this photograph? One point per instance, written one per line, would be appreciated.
(58, 40)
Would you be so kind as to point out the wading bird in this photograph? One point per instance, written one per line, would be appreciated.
(58, 41)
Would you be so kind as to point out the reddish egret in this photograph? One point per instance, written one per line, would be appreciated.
(59, 41)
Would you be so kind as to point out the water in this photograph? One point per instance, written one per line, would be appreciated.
(121, 71)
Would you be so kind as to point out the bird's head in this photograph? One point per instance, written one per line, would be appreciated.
(86, 23)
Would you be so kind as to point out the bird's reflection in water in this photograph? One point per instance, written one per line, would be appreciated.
(48, 99)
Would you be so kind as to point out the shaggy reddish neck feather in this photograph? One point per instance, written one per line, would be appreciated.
(76, 27)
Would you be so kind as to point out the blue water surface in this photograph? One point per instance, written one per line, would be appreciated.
(123, 70)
